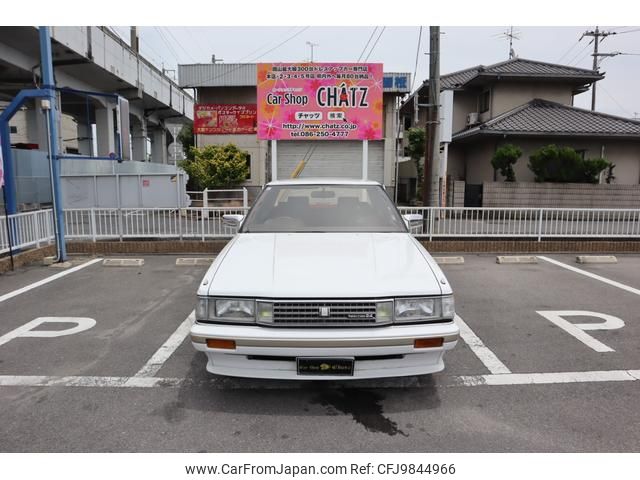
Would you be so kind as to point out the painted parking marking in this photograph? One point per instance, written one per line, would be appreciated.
(549, 378)
(578, 329)
(600, 278)
(155, 363)
(502, 379)
(28, 329)
(44, 281)
(486, 356)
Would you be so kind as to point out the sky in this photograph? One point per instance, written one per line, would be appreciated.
(396, 47)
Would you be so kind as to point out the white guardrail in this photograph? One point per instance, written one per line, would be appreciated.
(28, 229)
(93, 224)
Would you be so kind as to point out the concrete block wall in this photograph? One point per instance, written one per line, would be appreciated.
(455, 193)
(560, 195)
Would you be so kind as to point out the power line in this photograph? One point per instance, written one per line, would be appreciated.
(570, 62)
(568, 51)
(415, 68)
(180, 45)
(263, 46)
(367, 44)
(615, 101)
(280, 44)
(629, 31)
(251, 61)
(374, 44)
(195, 41)
(176, 57)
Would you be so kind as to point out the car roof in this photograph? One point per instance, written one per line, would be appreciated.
(323, 181)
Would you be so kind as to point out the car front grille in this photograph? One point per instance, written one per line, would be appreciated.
(325, 313)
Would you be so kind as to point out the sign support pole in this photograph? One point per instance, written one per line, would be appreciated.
(274, 160)
(365, 159)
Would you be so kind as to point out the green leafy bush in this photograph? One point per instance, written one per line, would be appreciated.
(564, 165)
(504, 159)
(216, 166)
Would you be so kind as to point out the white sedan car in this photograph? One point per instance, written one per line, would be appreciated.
(324, 281)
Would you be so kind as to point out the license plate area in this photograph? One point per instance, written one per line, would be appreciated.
(323, 366)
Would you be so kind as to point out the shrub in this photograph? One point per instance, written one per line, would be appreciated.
(504, 159)
(564, 165)
(216, 166)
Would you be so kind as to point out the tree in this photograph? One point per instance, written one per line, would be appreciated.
(216, 166)
(504, 159)
(415, 150)
(564, 165)
(185, 137)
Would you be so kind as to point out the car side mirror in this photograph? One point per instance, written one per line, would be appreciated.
(230, 220)
(412, 220)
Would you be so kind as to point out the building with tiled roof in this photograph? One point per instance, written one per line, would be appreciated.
(550, 119)
(529, 104)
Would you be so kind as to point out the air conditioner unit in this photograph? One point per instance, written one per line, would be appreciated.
(473, 118)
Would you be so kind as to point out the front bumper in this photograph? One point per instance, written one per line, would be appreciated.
(277, 348)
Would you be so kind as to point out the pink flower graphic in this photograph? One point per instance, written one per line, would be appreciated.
(268, 130)
(368, 133)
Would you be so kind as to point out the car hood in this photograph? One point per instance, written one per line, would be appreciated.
(324, 265)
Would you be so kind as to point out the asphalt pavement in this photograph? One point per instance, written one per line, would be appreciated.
(517, 382)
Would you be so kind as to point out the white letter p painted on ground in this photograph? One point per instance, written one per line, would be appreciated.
(578, 329)
(28, 329)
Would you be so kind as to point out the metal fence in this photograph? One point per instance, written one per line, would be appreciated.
(28, 229)
(538, 223)
(220, 198)
(112, 223)
(93, 224)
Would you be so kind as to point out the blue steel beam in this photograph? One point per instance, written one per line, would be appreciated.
(5, 117)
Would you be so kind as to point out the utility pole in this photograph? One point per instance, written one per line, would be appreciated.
(430, 184)
(596, 34)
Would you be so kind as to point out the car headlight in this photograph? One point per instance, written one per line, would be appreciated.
(233, 308)
(226, 310)
(426, 308)
(414, 309)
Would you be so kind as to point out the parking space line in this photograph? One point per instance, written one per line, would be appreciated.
(86, 381)
(486, 356)
(223, 383)
(44, 281)
(549, 378)
(591, 275)
(158, 359)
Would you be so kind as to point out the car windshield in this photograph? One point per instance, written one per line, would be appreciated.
(323, 208)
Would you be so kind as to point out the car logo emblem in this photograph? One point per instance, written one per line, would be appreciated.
(325, 311)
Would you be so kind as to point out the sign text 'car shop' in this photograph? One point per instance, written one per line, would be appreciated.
(320, 101)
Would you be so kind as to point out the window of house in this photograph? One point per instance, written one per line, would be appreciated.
(407, 122)
(13, 129)
(484, 101)
(582, 152)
